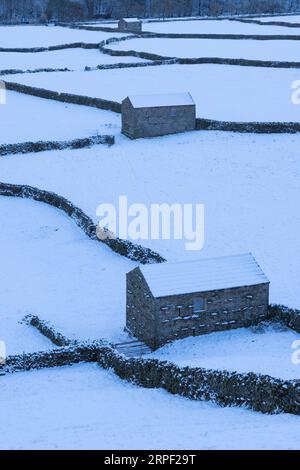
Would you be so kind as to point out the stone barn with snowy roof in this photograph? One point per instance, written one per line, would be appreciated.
(130, 25)
(155, 115)
(170, 301)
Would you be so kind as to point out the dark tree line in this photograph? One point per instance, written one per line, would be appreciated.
(65, 10)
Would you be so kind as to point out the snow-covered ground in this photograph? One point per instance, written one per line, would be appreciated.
(45, 36)
(284, 18)
(84, 407)
(221, 92)
(228, 48)
(73, 59)
(51, 269)
(26, 118)
(248, 183)
(217, 27)
(263, 349)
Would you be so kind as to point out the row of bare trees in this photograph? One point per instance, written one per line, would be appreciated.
(66, 10)
(173, 8)
(15, 11)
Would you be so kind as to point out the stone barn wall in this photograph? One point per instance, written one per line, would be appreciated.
(223, 310)
(157, 321)
(133, 26)
(141, 308)
(156, 121)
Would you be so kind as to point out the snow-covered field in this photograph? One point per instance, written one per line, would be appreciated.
(248, 183)
(54, 271)
(217, 27)
(285, 18)
(26, 118)
(221, 92)
(263, 349)
(283, 51)
(84, 407)
(42, 36)
(73, 59)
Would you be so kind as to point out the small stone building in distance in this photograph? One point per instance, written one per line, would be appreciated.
(156, 115)
(166, 302)
(130, 25)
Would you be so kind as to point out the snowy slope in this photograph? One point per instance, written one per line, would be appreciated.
(73, 59)
(285, 18)
(217, 27)
(83, 407)
(26, 118)
(51, 269)
(265, 350)
(284, 51)
(221, 92)
(43, 36)
(248, 183)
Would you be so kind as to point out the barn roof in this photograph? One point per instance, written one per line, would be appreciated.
(161, 100)
(131, 20)
(203, 275)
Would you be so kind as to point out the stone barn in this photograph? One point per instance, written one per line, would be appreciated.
(130, 25)
(155, 115)
(166, 302)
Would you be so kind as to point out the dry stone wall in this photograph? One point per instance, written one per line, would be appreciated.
(122, 247)
(47, 330)
(42, 146)
(258, 392)
(255, 391)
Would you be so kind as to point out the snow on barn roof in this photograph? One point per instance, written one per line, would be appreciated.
(203, 275)
(131, 20)
(160, 100)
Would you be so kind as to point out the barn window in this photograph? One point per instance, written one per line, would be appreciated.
(199, 305)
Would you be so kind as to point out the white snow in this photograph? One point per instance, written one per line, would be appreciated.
(168, 99)
(51, 269)
(217, 27)
(84, 407)
(220, 92)
(26, 118)
(284, 18)
(73, 59)
(131, 20)
(248, 184)
(283, 51)
(203, 275)
(263, 349)
(45, 36)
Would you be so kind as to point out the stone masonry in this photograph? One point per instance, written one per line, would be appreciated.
(159, 320)
(130, 25)
(155, 116)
